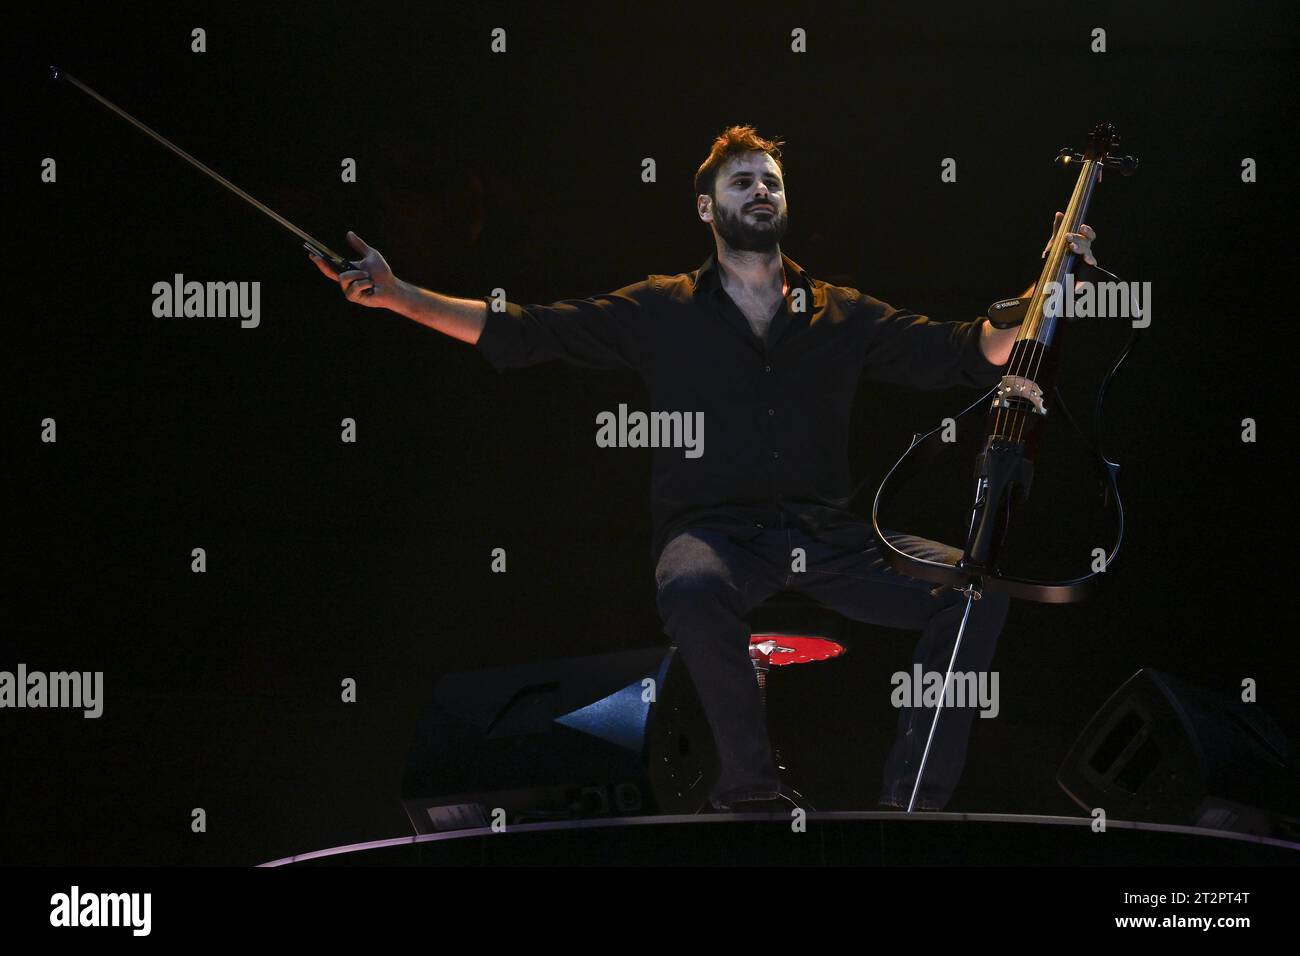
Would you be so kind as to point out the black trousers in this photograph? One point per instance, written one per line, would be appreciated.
(709, 580)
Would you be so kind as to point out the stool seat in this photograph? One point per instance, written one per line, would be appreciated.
(780, 649)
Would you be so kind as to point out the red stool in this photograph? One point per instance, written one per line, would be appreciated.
(789, 629)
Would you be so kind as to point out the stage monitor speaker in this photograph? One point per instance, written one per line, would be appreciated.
(616, 734)
(1161, 750)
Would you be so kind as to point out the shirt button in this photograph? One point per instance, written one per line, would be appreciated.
(776, 454)
(771, 411)
(767, 368)
(758, 524)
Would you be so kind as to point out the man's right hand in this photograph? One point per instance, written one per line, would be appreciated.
(372, 285)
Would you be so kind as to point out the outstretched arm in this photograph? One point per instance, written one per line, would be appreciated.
(596, 332)
(375, 286)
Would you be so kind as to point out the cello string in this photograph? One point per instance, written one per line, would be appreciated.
(1024, 347)
(1037, 351)
(1069, 223)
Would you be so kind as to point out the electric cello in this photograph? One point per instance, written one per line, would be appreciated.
(1006, 429)
(1052, 547)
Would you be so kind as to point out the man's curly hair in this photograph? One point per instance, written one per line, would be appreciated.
(733, 141)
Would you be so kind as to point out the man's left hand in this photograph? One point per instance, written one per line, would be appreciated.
(1080, 242)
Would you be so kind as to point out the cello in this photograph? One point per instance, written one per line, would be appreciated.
(1053, 547)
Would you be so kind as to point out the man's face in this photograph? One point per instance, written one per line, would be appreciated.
(749, 209)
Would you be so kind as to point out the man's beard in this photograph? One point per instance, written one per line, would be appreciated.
(746, 236)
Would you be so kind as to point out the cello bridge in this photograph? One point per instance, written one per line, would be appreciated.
(1019, 393)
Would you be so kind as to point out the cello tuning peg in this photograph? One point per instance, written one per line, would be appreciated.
(1127, 165)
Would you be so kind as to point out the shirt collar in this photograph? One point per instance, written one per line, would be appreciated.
(707, 278)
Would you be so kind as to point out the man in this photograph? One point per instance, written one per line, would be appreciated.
(771, 357)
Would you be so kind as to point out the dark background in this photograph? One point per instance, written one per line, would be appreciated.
(371, 561)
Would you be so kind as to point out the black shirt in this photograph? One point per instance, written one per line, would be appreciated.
(775, 413)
